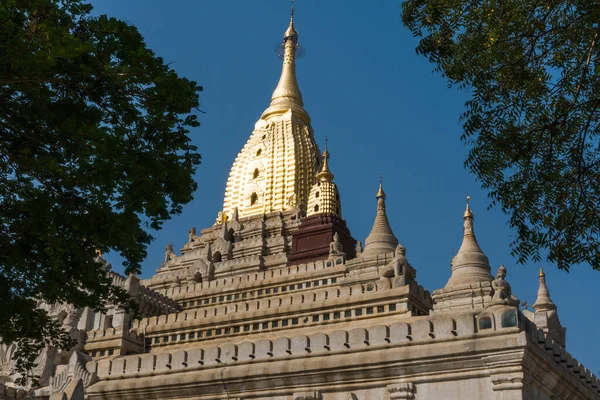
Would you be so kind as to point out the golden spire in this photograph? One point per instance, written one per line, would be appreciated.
(287, 93)
(380, 192)
(276, 168)
(325, 174)
(468, 212)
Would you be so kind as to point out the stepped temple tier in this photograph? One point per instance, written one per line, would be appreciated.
(278, 301)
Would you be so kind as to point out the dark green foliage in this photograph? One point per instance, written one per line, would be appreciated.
(94, 151)
(532, 123)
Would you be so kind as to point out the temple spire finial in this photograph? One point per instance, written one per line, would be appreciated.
(543, 301)
(325, 174)
(381, 239)
(468, 212)
(470, 264)
(380, 193)
(287, 95)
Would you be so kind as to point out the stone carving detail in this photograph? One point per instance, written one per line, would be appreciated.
(359, 248)
(351, 396)
(195, 277)
(336, 248)
(169, 253)
(72, 319)
(502, 291)
(221, 217)
(222, 247)
(402, 391)
(191, 236)
(6, 358)
(203, 271)
(74, 371)
(292, 200)
(399, 268)
(45, 365)
(403, 271)
(312, 395)
(176, 283)
(299, 213)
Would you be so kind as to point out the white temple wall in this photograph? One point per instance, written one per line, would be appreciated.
(376, 393)
(536, 393)
(471, 388)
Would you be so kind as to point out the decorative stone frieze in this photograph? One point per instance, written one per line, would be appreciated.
(312, 395)
(401, 391)
(74, 377)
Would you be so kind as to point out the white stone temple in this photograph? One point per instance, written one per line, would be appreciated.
(277, 301)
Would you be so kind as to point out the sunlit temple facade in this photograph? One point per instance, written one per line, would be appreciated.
(278, 301)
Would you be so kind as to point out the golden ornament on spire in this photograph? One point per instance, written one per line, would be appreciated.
(287, 95)
(468, 212)
(325, 174)
(380, 192)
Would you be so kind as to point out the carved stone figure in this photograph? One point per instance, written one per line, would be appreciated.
(169, 253)
(221, 217)
(191, 235)
(292, 200)
(72, 319)
(358, 248)
(500, 285)
(301, 212)
(403, 271)
(336, 248)
(502, 290)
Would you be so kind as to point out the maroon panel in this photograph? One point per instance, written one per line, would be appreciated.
(311, 241)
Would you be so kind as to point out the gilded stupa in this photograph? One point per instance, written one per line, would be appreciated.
(277, 301)
(275, 169)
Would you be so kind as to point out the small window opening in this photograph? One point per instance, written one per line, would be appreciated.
(509, 318)
(259, 152)
(255, 174)
(253, 199)
(316, 207)
(485, 323)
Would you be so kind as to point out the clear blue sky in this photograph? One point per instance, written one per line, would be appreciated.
(383, 111)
